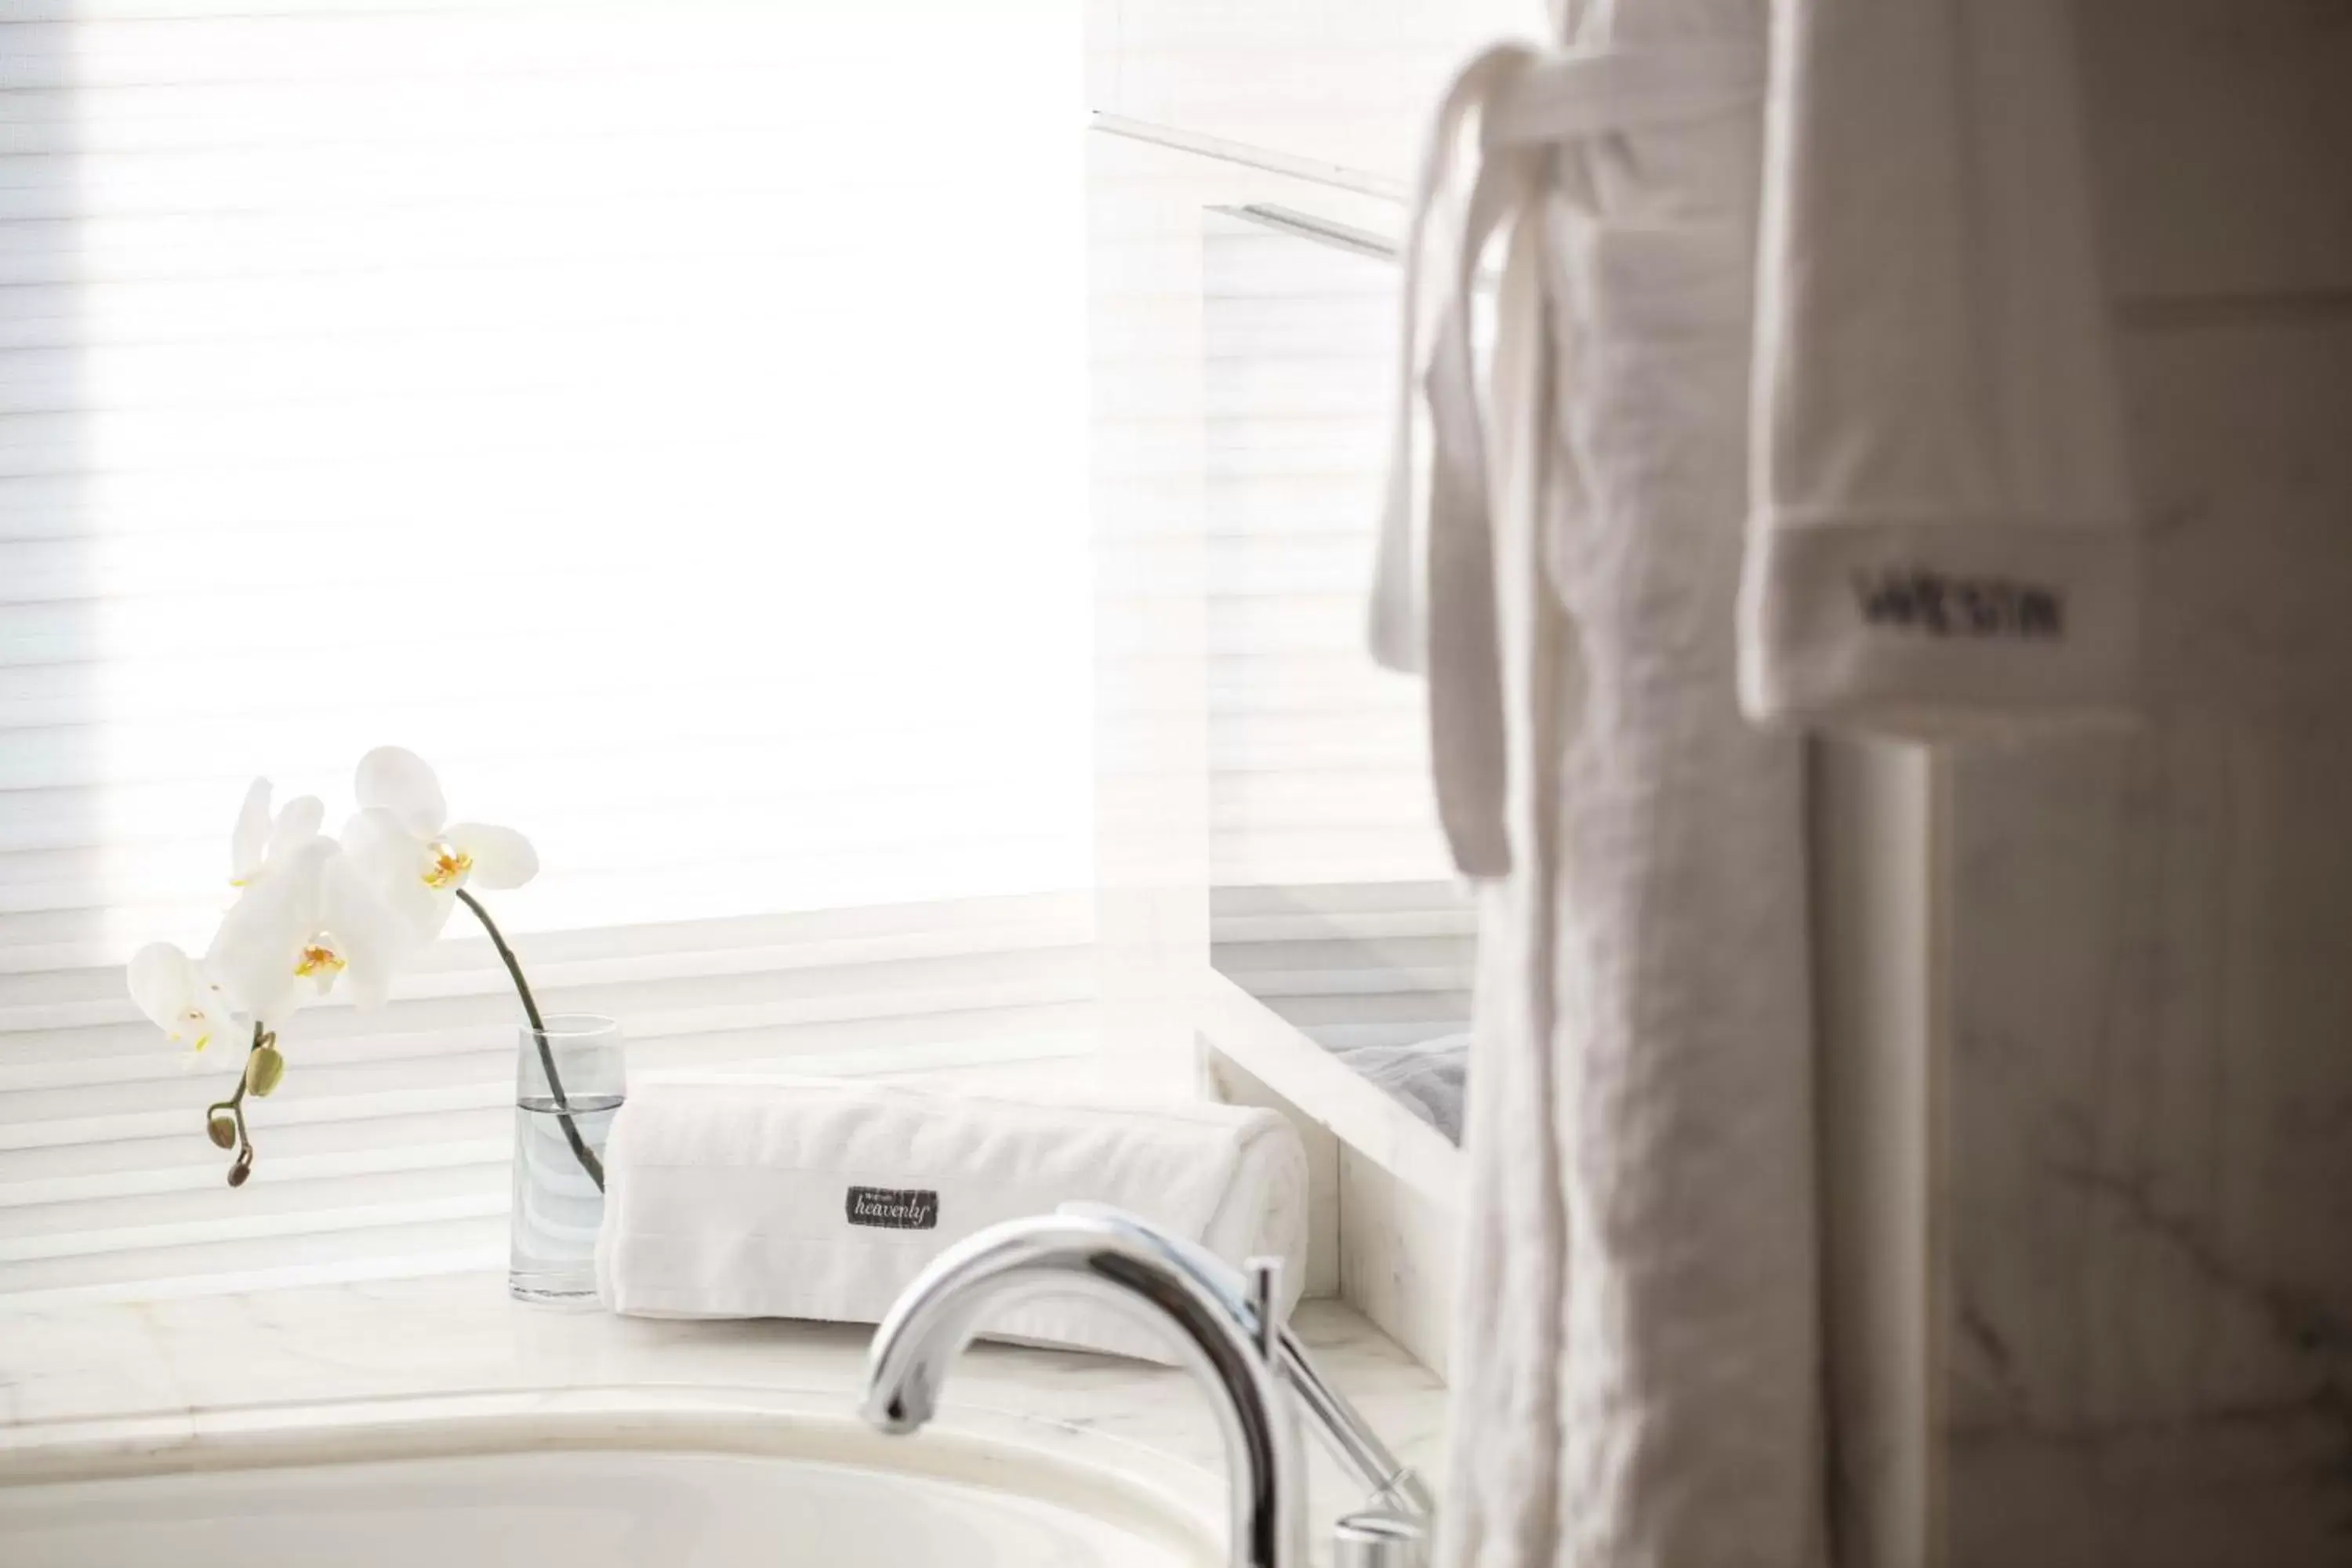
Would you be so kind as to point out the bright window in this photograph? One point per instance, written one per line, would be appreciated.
(669, 420)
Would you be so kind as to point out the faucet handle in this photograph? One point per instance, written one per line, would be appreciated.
(1265, 1275)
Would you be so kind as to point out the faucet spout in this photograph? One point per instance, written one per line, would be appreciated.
(1204, 1306)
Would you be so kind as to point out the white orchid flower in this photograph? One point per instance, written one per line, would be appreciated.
(179, 998)
(310, 923)
(261, 839)
(412, 856)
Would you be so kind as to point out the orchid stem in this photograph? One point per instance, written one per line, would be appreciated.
(242, 1166)
(580, 1150)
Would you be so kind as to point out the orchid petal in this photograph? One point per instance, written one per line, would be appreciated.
(179, 998)
(369, 934)
(432, 911)
(401, 781)
(380, 846)
(262, 980)
(304, 864)
(295, 826)
(249, 844)
(502, 857)
(220, 1020)
(161, 978)
(393, 862)
(368, 985)
(261, 937)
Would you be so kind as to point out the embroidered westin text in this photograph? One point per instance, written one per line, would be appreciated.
(1938, 604)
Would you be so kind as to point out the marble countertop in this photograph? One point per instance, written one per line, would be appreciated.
(185, 1380)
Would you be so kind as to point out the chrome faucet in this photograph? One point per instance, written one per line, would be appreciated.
(1224, 1327)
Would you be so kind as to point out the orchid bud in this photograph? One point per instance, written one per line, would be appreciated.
(264, 1069)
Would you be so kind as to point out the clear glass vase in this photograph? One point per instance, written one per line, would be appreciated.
(569, 1084)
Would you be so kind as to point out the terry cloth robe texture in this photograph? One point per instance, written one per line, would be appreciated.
(1636, 1380)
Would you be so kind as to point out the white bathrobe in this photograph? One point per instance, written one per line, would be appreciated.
(1638, 1372)
(1944, 542)
(1636, 1382)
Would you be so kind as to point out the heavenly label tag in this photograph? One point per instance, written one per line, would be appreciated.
(894, 1208)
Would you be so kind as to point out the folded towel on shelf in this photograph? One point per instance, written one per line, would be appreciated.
(734, 1197)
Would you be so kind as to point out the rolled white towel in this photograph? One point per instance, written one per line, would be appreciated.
(817, 1199)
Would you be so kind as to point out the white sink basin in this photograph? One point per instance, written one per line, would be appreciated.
(607, 1488)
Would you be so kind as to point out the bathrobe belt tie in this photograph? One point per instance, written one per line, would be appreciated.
(1437, 615)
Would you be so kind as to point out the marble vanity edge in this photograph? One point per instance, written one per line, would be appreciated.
(1051, 1460)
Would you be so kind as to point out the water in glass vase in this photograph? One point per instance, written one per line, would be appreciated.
(557, 1204)
(569, 1079)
